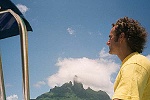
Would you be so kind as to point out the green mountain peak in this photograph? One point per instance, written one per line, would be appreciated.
(73, 91)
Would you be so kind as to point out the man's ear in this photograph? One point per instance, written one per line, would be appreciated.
(121, 37)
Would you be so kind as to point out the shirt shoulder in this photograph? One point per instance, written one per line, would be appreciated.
(138, 59)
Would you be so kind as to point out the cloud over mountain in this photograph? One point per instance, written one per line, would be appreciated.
(94, 73)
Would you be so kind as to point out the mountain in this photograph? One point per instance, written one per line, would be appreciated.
(69, 91)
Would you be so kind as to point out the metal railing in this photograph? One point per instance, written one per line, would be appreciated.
(24, 56)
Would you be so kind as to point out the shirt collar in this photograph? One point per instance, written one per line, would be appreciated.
(130, 55)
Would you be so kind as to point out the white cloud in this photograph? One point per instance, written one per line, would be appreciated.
(22, 8)
(39, 84)
(70, 31)
(148, 56)
(94, 73)
(104, 54)
(12, 97)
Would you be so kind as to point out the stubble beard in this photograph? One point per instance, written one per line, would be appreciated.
(110, 50)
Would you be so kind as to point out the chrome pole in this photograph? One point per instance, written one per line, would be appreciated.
(2, 87)
(25, 70)
(24, 54)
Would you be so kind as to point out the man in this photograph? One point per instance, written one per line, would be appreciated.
(127, 40)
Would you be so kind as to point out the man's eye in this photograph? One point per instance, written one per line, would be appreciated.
(110, 38)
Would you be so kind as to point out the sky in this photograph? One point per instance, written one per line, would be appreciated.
(68, 39)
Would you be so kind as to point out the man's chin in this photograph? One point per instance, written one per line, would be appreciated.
(110, 52)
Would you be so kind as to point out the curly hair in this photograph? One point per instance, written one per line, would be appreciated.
(135, 34)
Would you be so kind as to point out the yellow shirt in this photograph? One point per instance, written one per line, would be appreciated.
(133, 80)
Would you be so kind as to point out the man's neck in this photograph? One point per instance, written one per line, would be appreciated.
(124, 53)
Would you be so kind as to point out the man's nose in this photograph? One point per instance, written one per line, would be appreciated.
(108, 42)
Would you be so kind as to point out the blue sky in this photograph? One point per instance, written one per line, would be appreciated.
(69, 38)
